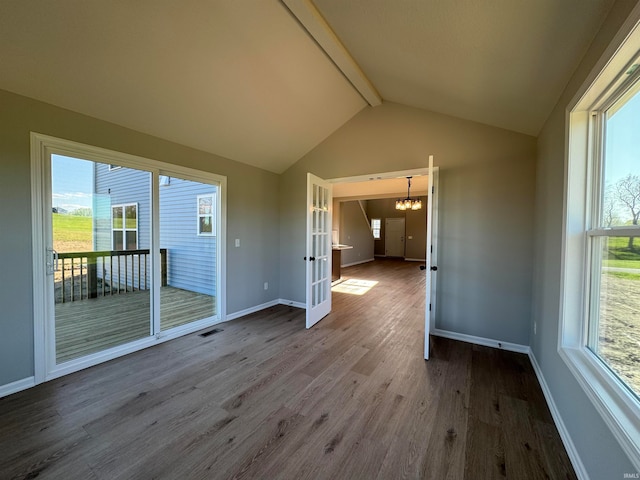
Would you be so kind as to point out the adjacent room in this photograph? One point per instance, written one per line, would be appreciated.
(320, 239)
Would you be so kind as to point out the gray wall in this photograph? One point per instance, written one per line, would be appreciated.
(355, 231)
(487, 180)
(599, 451)
(252, 216)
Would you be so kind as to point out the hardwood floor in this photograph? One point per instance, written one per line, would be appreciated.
(266, 399)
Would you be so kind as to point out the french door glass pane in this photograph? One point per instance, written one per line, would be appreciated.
(101, 298)
(188, 252)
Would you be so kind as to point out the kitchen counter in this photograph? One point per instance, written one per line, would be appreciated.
(336, 259)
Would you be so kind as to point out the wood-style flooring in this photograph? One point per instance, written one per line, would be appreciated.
(96, 324)
(264, 398)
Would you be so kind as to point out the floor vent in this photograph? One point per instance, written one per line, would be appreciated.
(211, 332)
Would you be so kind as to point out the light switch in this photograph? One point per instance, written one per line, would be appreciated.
(237, 242)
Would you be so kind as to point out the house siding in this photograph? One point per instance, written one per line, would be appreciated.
(191, 258)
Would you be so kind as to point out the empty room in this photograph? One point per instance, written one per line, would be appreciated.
(320, 239)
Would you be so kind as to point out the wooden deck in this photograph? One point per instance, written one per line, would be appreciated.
(264, 398)
(89, 326)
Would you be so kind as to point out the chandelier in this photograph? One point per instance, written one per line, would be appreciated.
(408, 203)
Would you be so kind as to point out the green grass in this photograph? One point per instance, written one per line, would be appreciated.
(622, 263)
(627, 275)
(620, 256)
(72, 233)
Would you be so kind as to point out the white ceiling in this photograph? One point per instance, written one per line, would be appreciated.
(499, 62)
(243, 78)
(381, 188)
(240, 78)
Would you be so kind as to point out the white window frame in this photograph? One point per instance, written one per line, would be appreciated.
(124, 225)
(379, 228)
(618, 407)
(212, 196)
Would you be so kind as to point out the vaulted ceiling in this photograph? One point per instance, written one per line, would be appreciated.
(263, 81)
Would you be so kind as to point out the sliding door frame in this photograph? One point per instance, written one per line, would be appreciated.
(42, 147)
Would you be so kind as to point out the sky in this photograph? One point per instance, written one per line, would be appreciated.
(622, 144)
(72, 182)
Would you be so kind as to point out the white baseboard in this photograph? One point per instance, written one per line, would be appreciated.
(578, 466)
(17, 386)
(291, 303)
(250, 310)
(487, 342)
(357, 263)
(257, 308)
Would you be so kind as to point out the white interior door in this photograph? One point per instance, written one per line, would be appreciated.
(394, 232)
(431, 256)
(318, 252)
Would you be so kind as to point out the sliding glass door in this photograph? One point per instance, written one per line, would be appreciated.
(127, 253)
(188, 241)
(101, 254)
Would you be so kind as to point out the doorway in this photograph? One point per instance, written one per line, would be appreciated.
(362, 191)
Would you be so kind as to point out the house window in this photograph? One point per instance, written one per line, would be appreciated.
(124, 227)
(614, 240)
(600, 313)
(375, 228)
(206, 214)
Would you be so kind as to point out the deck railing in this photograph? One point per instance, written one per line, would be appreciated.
(84, 275)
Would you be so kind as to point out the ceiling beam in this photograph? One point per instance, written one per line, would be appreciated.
(315, 24)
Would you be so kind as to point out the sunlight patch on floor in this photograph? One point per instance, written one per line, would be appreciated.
(354, 286)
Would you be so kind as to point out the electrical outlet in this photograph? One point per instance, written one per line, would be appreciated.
(266, 285)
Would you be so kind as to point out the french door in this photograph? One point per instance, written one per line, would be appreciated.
(318, 251)
(127, 253)
(431, 256)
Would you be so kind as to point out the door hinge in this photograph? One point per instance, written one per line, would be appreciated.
(431, 248)
(433, 190)
(429, 307)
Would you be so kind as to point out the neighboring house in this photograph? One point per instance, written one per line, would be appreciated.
(187, 227)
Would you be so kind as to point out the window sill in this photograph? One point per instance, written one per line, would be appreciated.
(617, 406)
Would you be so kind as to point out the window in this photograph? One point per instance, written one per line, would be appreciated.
(124, 227)
(614, 246)
(600, 313)
(206, 214)
(375, 228)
